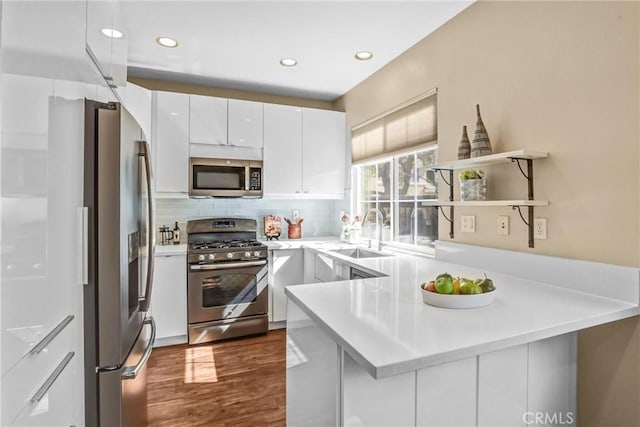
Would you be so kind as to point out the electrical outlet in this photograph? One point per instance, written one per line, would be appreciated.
(468, 223)
(540, 228)
(296, 214)
(503, 225)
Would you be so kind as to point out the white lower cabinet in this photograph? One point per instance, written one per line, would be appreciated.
(446, 394)
(169, 299)
(370, 402)
(322, 268)
(502, 387)
(287, 268)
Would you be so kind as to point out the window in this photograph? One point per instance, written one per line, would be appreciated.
(391, 153)
(396, 186)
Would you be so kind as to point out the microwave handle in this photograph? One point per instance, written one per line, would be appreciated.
(247, 177)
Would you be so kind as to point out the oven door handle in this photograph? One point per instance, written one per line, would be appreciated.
(225, 266)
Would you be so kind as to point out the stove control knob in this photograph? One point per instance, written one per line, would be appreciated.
(256, 254)
(230, 255)
(200, 257)
(247, 254)
(211, 256)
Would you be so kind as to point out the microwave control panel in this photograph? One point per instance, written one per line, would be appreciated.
(255, 182)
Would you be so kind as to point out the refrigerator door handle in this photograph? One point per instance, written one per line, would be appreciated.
(132, 372)
(145, 300)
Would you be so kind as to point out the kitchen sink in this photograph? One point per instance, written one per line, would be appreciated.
(360, 253)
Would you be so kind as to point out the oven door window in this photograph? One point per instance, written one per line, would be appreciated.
(221, 289)
(218, 177)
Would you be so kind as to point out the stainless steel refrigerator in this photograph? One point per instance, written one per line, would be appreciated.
(118, 197)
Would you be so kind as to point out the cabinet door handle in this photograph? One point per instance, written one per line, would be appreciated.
(44, 388)
(83, 243)
(51, 335)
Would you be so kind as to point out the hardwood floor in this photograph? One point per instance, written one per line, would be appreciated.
(238, 382)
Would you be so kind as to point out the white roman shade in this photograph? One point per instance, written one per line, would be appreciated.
(407, 127)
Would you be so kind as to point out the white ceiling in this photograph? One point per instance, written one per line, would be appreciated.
(238, 44)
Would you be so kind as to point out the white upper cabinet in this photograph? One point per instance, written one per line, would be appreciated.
(109, 53)
(323, 154)
(207, 120)
(245, 123)
(172, 142)
(137, 101)
(304, 152)
(282, 149)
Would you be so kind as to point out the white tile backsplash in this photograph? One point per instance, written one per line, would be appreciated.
(321, 217)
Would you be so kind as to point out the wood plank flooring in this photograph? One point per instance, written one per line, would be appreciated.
(239, 382)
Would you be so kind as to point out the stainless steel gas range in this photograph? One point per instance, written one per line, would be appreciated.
(226, 279)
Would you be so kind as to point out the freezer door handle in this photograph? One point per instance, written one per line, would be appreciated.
(132, 372)
(146, 299)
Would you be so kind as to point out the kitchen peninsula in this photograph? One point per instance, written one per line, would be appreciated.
(369, 352)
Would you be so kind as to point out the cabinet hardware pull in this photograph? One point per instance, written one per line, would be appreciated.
(51, 335)
(84, 245)
(44, 388)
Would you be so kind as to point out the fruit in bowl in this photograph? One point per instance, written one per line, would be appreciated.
(459, 292)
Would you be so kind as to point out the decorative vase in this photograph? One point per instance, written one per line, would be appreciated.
(473, 189)
(481, 146)
(464, 147)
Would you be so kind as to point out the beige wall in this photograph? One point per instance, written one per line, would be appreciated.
(170, 86)
(561, 77)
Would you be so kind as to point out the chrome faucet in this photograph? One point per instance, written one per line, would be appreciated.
(378, 226)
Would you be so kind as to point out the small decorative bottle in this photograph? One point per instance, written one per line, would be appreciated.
(176, 234)
(464, 147)
(481, 146)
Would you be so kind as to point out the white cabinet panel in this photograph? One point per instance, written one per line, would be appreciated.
(502, 387)
(552, 378)
(370, 402)
(169, 299)
(138, 101)
(172, 142)
(282, 149)
(286, 269)
(323, 133)
(323, 268)
(56, 407)
(207, 120)
(312, 372)
(446, 394)
(110, 54)
(245, 123)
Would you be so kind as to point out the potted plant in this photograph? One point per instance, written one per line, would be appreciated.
(473, 185)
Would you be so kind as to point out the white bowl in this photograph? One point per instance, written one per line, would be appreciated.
(457, 301)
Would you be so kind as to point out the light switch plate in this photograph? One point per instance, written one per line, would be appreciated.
(503, 225)
(468, 223)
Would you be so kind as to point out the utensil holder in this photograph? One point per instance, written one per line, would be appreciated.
(294, 231)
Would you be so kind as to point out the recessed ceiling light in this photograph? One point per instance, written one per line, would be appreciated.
(364, 55)
(288, 62)
(166, 41)
(112, 33)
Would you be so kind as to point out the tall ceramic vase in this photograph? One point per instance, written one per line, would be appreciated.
(480, 146)
(464, 147)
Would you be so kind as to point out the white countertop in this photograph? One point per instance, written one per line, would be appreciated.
(299, 243)
(166, 250)
(384, 325)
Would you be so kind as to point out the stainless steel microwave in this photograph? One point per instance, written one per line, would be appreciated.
(225, 178)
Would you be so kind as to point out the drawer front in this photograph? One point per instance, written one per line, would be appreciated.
(55, 407)
(22, 382)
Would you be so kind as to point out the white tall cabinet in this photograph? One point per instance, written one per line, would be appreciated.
(42, 96)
